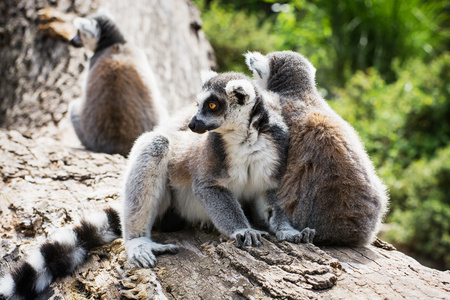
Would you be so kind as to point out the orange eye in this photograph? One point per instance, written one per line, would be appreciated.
(212, 105)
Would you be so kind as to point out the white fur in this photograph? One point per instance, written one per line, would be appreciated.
(36, 260)
(78, 256)
(189, 207)
(242, 86)
(207, 75)
(98, 219)
(257, 61)
(202, 96)
(44, 278)
(7, 285)
(65, 236)
(104, 11)
(89, 32)
(251, 165)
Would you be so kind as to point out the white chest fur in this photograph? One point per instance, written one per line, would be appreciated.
(252, 161)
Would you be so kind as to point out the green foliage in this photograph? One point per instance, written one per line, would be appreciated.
(339, 37)
(424, 221)
(233, 33)
(411, 106)
(405, 126)
(371, 33)
(343, 36)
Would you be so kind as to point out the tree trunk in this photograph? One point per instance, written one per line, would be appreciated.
(43, 75)
(49, 181)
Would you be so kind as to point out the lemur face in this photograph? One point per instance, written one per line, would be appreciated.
(224, 103)
(88, 33)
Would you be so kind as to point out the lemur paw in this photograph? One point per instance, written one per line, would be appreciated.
(295, 236)
(290, 235)
(307, 235)
(248, 237)
(141, 251)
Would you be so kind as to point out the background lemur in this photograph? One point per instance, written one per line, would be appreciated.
(330, 183)
(121, 99)
(233, 154)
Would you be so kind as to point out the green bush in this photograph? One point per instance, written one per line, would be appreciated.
(423, 223)
(233, 33)
(369, 33)
(405, 126)
(404, 120)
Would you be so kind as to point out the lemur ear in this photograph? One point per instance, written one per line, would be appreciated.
(242, 90)
(207, 75)
(259, 64)
(79, 22)
(88, 26)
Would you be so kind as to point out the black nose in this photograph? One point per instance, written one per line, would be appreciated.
(76, 41)
(197, 126)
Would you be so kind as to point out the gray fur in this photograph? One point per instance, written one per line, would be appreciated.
(120, 99)
(207, 177)
(330, 183)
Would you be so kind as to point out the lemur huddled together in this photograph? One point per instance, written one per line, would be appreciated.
(270, 144)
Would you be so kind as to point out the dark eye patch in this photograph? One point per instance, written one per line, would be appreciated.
(220, 105)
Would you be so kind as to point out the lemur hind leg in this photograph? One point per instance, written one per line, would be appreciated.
(146, 195)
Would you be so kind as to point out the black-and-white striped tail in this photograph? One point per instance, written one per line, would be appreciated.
(60, 256)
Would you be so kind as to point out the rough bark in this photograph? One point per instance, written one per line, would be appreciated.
(49, 180)
(46, 185)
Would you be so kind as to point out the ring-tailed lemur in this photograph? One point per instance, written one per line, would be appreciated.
(121, 99)
(206, 177)
(330, 183)
(233, 154)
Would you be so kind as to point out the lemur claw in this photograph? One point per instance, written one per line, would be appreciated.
(295, 236)
(141, 251)
(248, 237)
